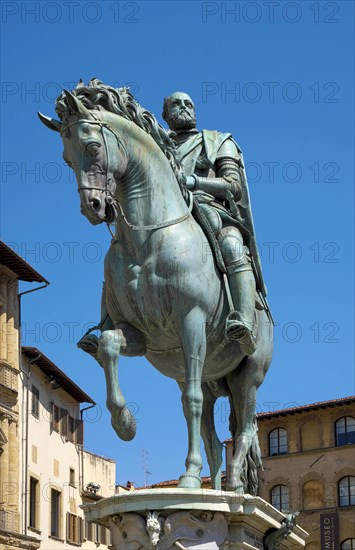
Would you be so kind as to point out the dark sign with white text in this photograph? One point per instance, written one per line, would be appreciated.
(329, 531)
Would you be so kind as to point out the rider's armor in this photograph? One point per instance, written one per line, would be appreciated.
(215, 165)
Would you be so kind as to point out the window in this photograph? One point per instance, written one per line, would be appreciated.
(345, 431)
(35, 401)
(278, 442)
(33, 503)
(55, 418)
(348, 544)
(72, 477)
(55, 513)
(74, 529)
(347, 491)
(279, 498)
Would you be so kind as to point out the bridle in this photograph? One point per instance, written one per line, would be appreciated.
(110, 198)
(120, 144)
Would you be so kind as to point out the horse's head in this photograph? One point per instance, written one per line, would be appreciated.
(93, 149)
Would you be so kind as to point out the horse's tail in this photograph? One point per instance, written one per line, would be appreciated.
(252, 462)
(252, 465)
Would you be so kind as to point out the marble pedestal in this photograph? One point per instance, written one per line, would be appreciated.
(199, 519)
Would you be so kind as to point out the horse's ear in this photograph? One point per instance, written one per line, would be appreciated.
(76, 105)
(51, 123)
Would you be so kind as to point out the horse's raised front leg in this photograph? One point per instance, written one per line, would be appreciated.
(122, 420)
(193, 341)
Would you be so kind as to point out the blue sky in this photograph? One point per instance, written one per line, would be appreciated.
(279, 76)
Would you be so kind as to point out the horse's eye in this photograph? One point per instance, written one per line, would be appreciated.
(93, 149)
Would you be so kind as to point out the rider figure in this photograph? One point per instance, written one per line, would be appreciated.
(212, 162)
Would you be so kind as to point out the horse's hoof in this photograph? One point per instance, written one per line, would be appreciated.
(124, 424)
(188, 481)
(89, 343)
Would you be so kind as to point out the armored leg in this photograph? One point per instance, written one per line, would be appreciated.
(239, 324)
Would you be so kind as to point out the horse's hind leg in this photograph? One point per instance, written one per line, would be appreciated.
(243, 383)
(193, 342)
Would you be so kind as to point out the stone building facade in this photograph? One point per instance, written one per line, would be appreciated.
(308, 456)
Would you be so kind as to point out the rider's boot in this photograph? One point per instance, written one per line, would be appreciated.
(240, 324)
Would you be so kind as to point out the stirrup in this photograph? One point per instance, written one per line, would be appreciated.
(239, 331)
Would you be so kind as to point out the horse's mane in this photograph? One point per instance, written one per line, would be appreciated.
(122, 102)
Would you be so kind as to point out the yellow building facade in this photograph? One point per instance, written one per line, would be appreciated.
(308, 457)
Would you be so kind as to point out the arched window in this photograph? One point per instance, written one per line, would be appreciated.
(347, 491)
(279, 498)
(348, 544)
(345, 431)
(278, 442)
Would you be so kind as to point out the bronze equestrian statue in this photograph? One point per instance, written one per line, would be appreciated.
(164, 296)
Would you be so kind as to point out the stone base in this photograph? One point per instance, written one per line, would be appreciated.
(203, 519)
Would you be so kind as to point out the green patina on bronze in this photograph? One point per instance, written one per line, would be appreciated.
(164, 296)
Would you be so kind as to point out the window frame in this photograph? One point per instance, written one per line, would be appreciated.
(352, 544)
(35, 401)
(279, 445)
(34, 503)
(280, 495)
(74, 532)
(346, 432)
(58, 522)
(72, 482)
(350, 482)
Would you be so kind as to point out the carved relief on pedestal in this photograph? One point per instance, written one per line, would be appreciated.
(184, 530)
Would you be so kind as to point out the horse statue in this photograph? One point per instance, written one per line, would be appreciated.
(163, 296)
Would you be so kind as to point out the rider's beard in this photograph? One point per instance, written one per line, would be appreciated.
(182, 121)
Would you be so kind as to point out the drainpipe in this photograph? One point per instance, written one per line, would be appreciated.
(82, 448)
(25, 408)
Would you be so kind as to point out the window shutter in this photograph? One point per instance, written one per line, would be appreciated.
(71, 429)
(79, 432)
(68, 526)
(64, 415)
(51, 425)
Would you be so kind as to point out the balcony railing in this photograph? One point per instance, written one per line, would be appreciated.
(9, 521)
(8, 376)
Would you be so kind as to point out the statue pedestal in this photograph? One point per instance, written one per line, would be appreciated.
(198, 519)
